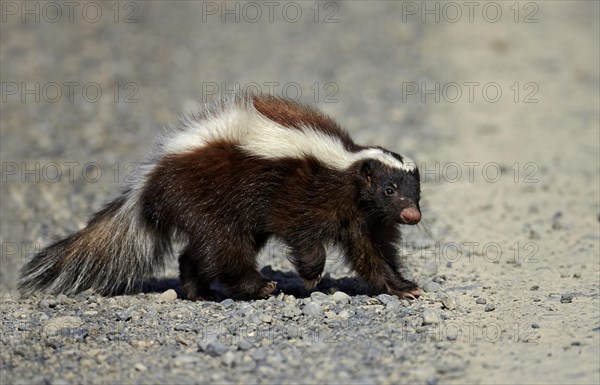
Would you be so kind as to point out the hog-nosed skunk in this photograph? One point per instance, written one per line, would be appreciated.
(225, 181)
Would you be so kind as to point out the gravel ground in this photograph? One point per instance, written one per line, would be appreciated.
(509, 254)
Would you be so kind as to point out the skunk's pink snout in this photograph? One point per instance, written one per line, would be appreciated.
(410, 215)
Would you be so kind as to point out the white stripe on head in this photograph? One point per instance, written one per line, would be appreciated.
(244, 125)
(389, 160)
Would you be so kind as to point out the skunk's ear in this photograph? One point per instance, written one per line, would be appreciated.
(366, 171)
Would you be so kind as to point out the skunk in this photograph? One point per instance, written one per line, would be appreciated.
(225, 181)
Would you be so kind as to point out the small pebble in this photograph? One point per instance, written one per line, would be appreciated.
(341, 297)
(449, 302)
(566, 298)
(291, 312)
(125, 315)
(453, 334)
(54, 325)
(313, 309)
(386, 298)
(432, 287)
(481, 301)
(345, 314)
(556, 221)
(534, 287)
(289, 298)
(393, 307)
(490, 307)
(431, 317)
(227, 302)
(140, 367)
(228, 358)
(317, 296)
(24, 327)
(216, 348)
(183, 327)
(169, 295)
(47, 303)
(90, 313)
(244, 344)
(77, 334)
(63, 299)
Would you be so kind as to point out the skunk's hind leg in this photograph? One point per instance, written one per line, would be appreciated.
(194, 276)
(236, 264)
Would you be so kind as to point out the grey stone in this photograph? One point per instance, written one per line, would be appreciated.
(182, 327)
(345, 314)
(54, 325)
(125, 315)
(453, 333)
(215, 348)
(449, 302)
(169, 295)
(289, 298)
(341, 297)
(386, 298)
(431, 317)
(47, 303)
(291, 312)
(64, 300)
(74, 334)
(227, 302)
(244, 344)
(317, 296)
(228, 358)
(557, 221)
(312, 309)
(566, 298)
(432, 287)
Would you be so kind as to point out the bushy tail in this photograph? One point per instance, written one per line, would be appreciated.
(112, 254)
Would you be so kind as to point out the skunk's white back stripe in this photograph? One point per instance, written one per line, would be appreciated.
(260, 136)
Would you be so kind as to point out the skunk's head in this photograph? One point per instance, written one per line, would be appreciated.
(391, 192)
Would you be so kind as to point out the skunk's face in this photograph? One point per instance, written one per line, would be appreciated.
(391, 192)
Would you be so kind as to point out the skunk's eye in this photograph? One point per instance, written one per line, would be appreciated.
(389, 191)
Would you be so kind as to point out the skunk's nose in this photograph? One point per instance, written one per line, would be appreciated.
(410, 215)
